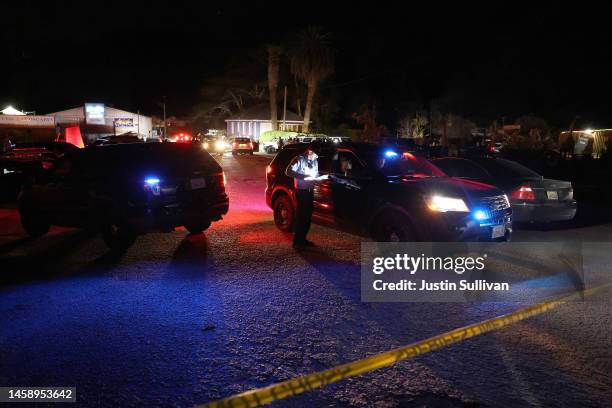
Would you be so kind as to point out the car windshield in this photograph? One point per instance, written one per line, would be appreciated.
(501, 168)
(392, 164)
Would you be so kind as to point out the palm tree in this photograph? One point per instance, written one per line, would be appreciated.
(312, 59)
(273, 65)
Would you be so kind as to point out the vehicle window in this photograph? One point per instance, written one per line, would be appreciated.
(462, 168)
(347, 164)
(406, 164)
(502, 168)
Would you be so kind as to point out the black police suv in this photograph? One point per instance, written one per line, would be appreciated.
(391, 195)
(533, 198)
(127, 189)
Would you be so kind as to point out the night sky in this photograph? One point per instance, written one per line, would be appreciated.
(485, 62)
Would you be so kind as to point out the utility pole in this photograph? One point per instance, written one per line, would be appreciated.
(164, 105)
(285, 110)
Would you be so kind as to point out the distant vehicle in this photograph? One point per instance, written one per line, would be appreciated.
(181, 137)
(24, 161)
(270, 149)
(340, 139)
(57, 148)
(127, 189)
(242, 145)
(391, 195)
(532, 197)
(120, 139)
(215, 145)
(496, 147)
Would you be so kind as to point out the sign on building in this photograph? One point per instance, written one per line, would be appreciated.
(124, 122)
(94, 113)
(27, 121)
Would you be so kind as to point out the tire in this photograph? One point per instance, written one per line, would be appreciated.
(197, 227)
(233, 153)
(118, 237)
(34, 224)
(284, 213)
(393, 226)
(251, 153)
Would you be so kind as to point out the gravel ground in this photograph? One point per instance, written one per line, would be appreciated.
(181, 320)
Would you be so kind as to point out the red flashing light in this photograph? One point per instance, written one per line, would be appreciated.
(268, 169)
(524, 192)
(408, 155)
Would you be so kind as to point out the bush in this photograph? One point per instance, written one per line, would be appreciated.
(271, 134)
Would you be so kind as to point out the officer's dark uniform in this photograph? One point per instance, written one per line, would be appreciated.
(300, 168)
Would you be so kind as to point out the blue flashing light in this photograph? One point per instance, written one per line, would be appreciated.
(481, 215)
(152, 181)
(390, 154)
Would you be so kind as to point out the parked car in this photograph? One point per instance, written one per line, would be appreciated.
(391, 195)
(25, 161)
(215, 145)
(119, 139)
(340, 139)
(533, 198)
(127, 189)
(270, 149)
(242, 145)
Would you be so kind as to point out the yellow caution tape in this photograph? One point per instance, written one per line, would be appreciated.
(298, 385)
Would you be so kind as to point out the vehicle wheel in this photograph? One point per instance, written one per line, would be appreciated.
(118, 237)
(233, 153)
(394, 227)
(197, 227)
(251, 153)
(34, 224)
(284, 213)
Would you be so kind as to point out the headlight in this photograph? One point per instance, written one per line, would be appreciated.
(444, 204)
(220, 145)
(205, 145)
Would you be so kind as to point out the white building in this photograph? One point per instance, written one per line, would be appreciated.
(96, 119)
(254, 121)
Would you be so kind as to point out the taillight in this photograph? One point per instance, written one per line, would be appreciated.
(250, 145)
(220, 180)
(524, 193)
(268, 169)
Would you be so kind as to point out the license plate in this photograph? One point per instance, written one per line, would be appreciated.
(242, 145)
(498, 231)
(552, 195)
(197, 183)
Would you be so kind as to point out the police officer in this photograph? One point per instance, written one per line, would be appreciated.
(304, 169)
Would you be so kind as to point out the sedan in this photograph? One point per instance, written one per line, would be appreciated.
(533, 198)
